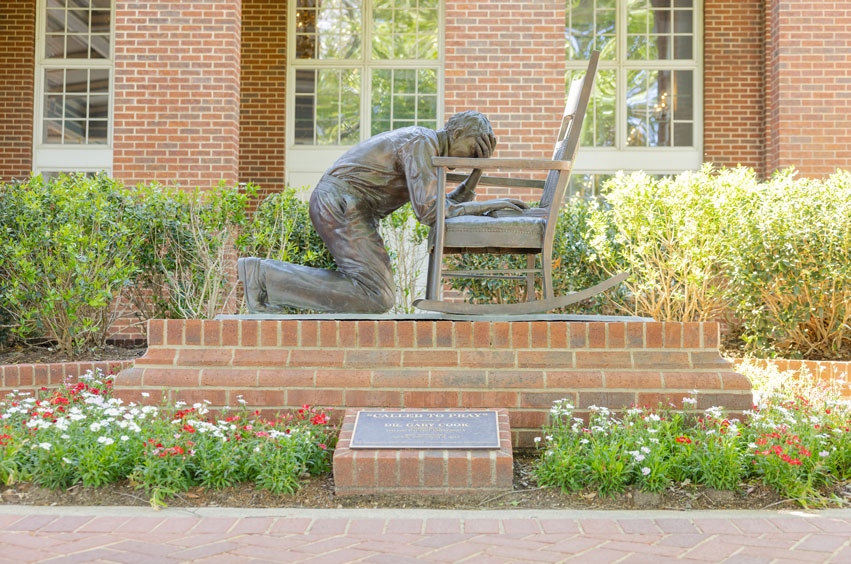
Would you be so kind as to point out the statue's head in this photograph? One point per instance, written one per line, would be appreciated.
(464, 129)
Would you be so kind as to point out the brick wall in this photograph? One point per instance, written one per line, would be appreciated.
(811, 72)
(519, 366)
(262, 134)
(733, 83)
(176, 111)
(506, 60)
(32, 377)
(17, 57)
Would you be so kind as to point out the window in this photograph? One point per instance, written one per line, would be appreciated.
(73, 86)
(646, 108)
(358, 68)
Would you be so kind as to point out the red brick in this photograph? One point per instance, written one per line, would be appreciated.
(434, 473)
(225, 377)
(691, 380)
(653, 335)
(430, 358)
(309, 333)
(204, 357)
(430, 399)
(481, 473)
(616, 335)
(635, 335)
(285, 378)
(481, 334)
(691, 335)
(405, 334)
(319, 398)
(25, 375)
(302, 357)
(409, 468)
(230, 333)
(735, 381)
(673, 333)
(178, 378)
(489, 399)
(603, 359)
(458, 469)
(212, 333)
(520, 334)
(343, 467)
(463, 334)
(501, 335)
(365, 468)
(443, 334)
(558, 335)
(656, 399)
(709, 360)
(578, 335)
(157, 355)
(348, 334)
(545, 359)
(192, 331)
(633, 379)
(539, 335)
(573, 379)
(526, 419)
(458, 379)
(272, 358)
(174, 331)
(195, 395)
(289, 333)
(487, 359)
(360, 358)
(156, 332)
(269, 333)
(388, 468)
(660, 359)
(400, 379)
(386, 334)
(373, 398)
(731, 401)
(596, 335)
(425, 334)
(544, 399)
(710, 335)
(327, 333)
(515, 379)
(343, 378)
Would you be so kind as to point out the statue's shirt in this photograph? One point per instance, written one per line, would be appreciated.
(390, 169)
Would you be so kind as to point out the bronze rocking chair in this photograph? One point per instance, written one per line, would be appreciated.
(530, 233)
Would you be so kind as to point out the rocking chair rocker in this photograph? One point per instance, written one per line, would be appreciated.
(530, 233)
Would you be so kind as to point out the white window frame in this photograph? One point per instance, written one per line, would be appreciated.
(51, 157)
(653, 160)
(306, 163)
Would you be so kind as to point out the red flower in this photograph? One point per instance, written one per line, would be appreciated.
(794, 462)
(323, 446)
(188, 428)
(683, 440)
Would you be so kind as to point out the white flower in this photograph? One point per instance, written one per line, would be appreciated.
(537, 440)
(95, 427)
(653, 417)
(124, 438)
(105, 440)
(690, 401)
(66, 461)
(146, 395)
(645, 471)
(645, 450)
(824, 454)
(45, 446)
(584, 441)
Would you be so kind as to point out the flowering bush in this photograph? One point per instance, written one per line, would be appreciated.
(797, 444)
(79, 433)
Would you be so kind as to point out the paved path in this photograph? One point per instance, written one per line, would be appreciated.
(121, 534)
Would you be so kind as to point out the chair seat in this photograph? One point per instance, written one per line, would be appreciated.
(478, 231)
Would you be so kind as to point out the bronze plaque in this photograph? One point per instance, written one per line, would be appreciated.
(426, 429)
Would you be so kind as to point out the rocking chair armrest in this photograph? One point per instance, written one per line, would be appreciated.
(504, 182)
(518, 164)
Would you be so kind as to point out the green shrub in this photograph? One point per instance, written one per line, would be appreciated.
(67, 253)
(405, 239)
(187, 241)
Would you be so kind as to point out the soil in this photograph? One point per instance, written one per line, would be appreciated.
(318, 492)
(46, 355)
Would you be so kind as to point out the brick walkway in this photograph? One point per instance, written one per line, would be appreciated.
(115, 534)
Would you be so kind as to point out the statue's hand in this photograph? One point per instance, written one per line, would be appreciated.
(481, 208)
(485, 145)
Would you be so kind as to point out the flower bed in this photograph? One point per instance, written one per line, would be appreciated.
(79, 433)
(797, 440)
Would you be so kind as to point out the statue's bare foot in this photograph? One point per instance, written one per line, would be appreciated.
(255, 291)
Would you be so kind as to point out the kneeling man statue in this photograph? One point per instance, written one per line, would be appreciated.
(367, 183)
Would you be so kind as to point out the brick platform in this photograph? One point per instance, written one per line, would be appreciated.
(521, 366)
(31, 377)
(422, 471)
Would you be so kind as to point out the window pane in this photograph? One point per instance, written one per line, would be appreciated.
(75, 106)
(598, 129)
(99, 107)
(656, 31)
(74, 132)
(98, 80)
(100, 21)
(55, 21)
(328, 29)
(53, 106)
(54, 80)
(304, 106)
(403, 97)
(52, 131)
(656, 99)
(98, 132)
(54, 46)
(590, 24)
(331, 115)
(78, 47)
(405, 29)
(73, 98)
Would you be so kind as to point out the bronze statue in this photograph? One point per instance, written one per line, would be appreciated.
(367, 183)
